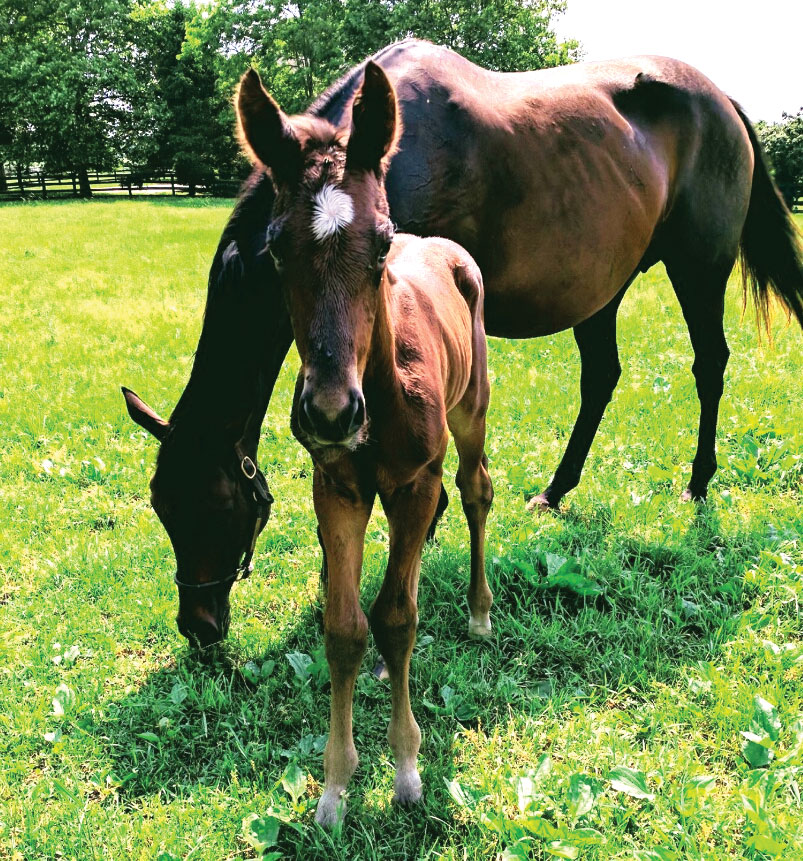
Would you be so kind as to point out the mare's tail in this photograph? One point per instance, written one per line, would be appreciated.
(771, 251)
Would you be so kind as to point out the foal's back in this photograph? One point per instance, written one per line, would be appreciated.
(435, 302)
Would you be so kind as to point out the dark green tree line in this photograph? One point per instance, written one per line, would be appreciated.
(148, 83)
(783, 142)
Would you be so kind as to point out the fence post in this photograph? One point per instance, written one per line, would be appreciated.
(173, 184)
(44, 185)
(74, 186)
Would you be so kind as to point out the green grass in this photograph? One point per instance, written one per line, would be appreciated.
(631, 631)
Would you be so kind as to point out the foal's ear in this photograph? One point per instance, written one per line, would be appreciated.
(264, 131)
(144, 416)
(374, 122)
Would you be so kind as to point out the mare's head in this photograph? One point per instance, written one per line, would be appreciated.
(213, 502)
(329, 238)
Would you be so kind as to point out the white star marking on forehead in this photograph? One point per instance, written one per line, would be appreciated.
(332, 211)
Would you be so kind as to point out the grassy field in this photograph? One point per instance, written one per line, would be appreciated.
(642, 696)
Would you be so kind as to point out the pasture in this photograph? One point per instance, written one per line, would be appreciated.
(642, 695)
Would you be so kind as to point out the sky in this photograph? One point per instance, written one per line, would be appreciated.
(751, 50)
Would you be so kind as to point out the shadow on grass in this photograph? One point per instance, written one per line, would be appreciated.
(242, 718)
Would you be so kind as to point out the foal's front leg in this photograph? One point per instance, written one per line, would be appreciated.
(394, 617)
(342, 517)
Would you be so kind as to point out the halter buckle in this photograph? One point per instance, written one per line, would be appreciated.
(249, 468)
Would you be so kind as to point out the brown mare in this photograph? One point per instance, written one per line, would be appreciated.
(563, 185)
(391, 338)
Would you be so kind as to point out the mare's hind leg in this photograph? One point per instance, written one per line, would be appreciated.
(701, 293)
(599, 374)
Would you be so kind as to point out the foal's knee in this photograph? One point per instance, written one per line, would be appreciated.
(393, 624)
(346, 638)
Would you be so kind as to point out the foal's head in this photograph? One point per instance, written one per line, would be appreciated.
(329, 239)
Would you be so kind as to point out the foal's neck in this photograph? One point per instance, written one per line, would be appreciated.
(381, 368)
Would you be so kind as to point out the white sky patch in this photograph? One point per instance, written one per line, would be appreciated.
(332, 211)
(750, 50)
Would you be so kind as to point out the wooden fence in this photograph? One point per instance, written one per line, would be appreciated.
(35, 184)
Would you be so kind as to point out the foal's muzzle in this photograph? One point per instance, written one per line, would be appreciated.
(335, 425)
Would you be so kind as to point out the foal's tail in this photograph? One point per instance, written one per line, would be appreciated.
(771, 252)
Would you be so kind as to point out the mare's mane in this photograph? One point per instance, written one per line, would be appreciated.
(236, 302)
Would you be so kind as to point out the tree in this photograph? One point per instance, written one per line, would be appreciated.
(783, 142)
(300, 48)
(67, 67)
(195, 127)
(505, 35)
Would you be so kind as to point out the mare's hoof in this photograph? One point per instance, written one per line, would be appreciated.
(331, 810)
(407, 787)
(540, 504)
(688, 495)
(479, 627)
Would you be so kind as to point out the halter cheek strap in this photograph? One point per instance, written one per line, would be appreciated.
(256, 487)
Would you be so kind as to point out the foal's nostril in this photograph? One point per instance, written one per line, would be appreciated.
(355, 411)
(305, 414)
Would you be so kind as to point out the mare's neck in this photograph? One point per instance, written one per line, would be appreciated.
(245, 333)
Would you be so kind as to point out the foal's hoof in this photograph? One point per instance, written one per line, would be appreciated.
(479, 627)
(381, 671)
(331, 810)
(407, 786)
(689, 495)
(540, 504)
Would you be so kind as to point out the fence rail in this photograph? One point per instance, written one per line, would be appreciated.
(35, 184)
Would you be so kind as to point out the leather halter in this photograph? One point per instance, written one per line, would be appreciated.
(256, 487)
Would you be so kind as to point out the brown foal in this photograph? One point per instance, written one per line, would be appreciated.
(392, 343)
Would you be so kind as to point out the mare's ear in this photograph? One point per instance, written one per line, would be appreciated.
(265, 133)
(374, 122)
(144, 416)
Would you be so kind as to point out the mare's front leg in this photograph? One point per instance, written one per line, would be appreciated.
(343, 511)
(599, 374)
(394, 616)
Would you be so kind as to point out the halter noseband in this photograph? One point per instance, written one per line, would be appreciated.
(256, 483)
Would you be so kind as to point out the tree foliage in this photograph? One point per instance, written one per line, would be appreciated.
(148, 83)
(66, 67)
(783, 143)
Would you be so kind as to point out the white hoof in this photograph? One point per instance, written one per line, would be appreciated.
(331, 810)
(479, 626)
(407, 787)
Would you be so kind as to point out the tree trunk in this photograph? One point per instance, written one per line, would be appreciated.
(84, 189)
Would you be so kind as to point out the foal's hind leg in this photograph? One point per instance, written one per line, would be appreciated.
(599, 374)
(467, 424)
(443, 502)
(702, 298)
